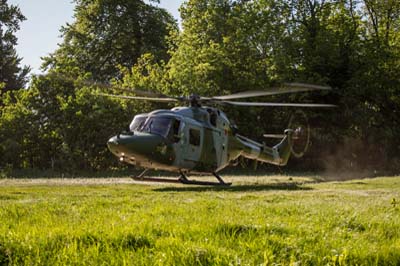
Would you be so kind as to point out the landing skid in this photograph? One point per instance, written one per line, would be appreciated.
(182, 179)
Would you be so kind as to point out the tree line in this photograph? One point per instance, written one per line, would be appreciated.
(221, 47)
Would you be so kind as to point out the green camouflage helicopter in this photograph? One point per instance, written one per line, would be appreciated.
(200, 139)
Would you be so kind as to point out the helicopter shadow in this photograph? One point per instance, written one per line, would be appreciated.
(292, 186)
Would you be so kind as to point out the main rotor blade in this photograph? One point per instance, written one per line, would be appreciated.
(143, 93)
(153, 99)
(106, 85)
(285, 88)
(279, 104)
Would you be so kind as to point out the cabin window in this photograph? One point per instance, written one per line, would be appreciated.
(213, 117)
(194, 137)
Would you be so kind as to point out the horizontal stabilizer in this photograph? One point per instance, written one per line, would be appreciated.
(277, 136)
(274, 136)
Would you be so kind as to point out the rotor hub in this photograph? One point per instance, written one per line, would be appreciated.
(194, 100)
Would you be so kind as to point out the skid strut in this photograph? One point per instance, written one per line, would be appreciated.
(182, 179)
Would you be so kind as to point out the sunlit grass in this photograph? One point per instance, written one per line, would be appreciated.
(259, 220)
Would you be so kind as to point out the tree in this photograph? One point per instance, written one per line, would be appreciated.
(374, 87)
(11, 73)
(107, 34)
(19, 131)
(225, 46)
(63, 123)
(350, 45)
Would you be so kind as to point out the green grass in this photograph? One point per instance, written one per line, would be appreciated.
(263, 220)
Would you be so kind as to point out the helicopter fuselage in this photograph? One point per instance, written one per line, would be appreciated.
(189, 139)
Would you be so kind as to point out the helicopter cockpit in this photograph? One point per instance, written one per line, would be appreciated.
(165, 126)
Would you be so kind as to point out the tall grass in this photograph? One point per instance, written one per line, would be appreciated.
(275, 220)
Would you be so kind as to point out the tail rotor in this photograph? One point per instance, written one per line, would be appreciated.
(299, 141)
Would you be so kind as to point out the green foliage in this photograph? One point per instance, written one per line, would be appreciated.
(224, 46)
(12, 75)
(106, 34)
(264, 220)
(34, 127)
(60, 122)
(146, 74)
(18, 129)
(353, 46)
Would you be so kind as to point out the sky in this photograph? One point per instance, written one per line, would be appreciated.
(40, 32)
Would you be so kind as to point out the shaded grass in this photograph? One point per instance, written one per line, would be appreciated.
(238, 188)
(259, 220)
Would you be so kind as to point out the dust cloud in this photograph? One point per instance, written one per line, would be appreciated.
(353, 159)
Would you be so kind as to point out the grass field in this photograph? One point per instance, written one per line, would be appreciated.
(263, 220)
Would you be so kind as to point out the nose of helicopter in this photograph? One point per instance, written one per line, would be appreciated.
(134, 147)
(113, 145)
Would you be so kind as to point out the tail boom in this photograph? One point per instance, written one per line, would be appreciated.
(277, 155)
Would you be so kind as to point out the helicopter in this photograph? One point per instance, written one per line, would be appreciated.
(200, 139)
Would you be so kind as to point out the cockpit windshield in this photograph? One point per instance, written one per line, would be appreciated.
(137, 122)
(157, 125)
(165, 126)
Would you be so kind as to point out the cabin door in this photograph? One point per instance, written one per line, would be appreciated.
(193, 144)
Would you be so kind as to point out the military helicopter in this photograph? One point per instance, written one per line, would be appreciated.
(200, 139)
